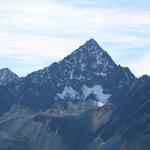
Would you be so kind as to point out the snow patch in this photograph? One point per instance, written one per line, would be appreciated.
(71, 75)
(101, 74)
(67, 92)
(83, 66)
(98, 103)
(97, 90)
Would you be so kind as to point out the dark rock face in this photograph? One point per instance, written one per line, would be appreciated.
(128, 126)
(54, 108)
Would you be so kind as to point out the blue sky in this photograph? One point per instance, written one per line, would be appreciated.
(35, 33)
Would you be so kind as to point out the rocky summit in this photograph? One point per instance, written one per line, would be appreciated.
(7, 76)
(83, 102)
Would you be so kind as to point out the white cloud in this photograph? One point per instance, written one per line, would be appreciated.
(36, 46)
(48, 30)
(141, 67)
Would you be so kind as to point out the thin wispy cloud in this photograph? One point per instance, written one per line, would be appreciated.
(45, 31)
(141, 65)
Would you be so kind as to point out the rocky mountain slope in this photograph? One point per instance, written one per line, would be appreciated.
(83, 102)
(129, 123)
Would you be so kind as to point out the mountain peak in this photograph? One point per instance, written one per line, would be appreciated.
(5, 69)
(89, 56)
(92, 55)
(90, 48)
(6, 76)
(92, 44)
(91, 41)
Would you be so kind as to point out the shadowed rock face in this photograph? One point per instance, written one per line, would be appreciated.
(55, 109)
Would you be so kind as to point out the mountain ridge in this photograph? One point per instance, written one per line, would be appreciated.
(84, 102)
(74, 79)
